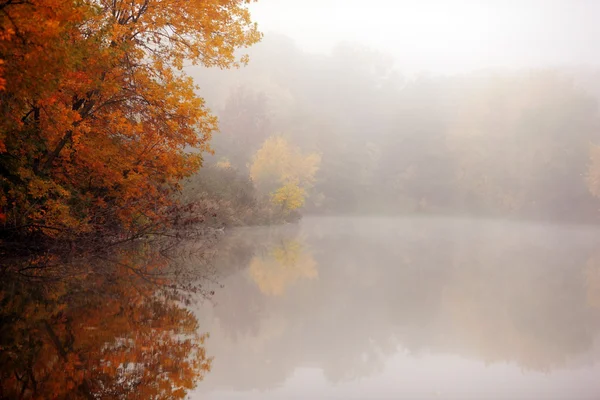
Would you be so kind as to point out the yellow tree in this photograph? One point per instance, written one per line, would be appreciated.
(284, 171)
(290, 196)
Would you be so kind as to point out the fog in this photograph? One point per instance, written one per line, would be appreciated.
(446, 155)
(283, 199)
(444, 36)
(452, 108)
(387, 308)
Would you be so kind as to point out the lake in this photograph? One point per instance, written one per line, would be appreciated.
(420, 308)
(329, 308)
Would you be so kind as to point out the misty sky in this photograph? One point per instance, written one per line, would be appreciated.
(445, 35)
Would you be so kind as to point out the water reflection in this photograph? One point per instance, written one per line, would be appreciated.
(285, 263)
(379, 297)
(592, 278)
(114, 326)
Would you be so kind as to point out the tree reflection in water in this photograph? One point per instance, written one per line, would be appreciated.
(494, 292)
(283, 264)
(114, 326)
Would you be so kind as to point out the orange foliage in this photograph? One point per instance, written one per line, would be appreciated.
(108, 334)
(97, 115)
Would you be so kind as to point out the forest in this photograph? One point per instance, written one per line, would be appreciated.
(491, 143)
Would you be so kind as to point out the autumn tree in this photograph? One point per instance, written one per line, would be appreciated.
(290, 196)
(284, 171)
(97, 115)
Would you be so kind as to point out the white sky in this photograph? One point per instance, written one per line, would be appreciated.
(445, 36)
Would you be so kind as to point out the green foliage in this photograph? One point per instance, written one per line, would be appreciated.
(223, 183)
(228, 198)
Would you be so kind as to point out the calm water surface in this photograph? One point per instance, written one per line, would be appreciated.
(349, 308)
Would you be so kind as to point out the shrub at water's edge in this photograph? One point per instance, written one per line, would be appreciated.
(226, 197)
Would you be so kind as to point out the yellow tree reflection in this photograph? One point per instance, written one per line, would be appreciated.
(282, 266)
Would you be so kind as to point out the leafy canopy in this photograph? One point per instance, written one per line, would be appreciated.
(97, 114)
(282, 170)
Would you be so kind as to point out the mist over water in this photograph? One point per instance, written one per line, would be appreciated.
(406, 307)
(449, 244)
